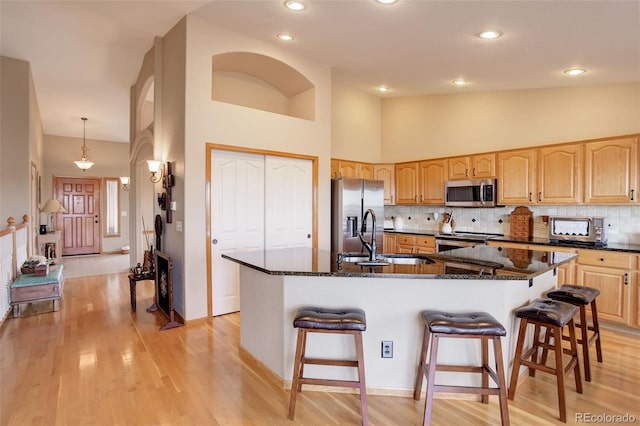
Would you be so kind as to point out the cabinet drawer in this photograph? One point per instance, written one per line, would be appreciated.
(606, 258)
(423, 241)
(406, 239)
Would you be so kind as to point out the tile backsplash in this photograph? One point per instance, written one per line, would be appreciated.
(623, 221)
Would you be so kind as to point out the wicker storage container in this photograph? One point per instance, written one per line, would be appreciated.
(521, 223)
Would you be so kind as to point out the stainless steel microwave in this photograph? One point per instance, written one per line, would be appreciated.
(471, 193)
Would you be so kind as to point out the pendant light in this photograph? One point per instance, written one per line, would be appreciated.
(84, 163)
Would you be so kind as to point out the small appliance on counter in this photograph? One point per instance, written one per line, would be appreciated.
(587, 230)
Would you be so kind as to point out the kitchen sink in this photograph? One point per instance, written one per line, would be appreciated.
(386, 259)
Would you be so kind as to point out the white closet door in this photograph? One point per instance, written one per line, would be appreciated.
(289, 202)
(237, 220)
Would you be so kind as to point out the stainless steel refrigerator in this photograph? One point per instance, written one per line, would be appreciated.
(350, 199)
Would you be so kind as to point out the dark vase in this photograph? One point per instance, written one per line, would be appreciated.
(43, 229)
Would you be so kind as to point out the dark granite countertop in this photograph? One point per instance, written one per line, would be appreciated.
(496, 264)
(627, 248)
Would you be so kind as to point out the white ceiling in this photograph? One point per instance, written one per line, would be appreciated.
(85, 55)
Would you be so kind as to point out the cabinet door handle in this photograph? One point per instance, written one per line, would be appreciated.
(540, 196)
(392, 199)
(415, 198)
(421, 198)
(632, 194)
(466, 172)
(474, 171)
(626, 279)
(530, 194)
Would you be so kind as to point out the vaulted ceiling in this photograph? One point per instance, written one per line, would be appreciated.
(86, 54)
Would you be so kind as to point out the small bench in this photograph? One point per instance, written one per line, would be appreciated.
(28, 288)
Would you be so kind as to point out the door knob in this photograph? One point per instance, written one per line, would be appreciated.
(215, 241)
(308, 235)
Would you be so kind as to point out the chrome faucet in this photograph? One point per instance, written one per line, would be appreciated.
(371, 247)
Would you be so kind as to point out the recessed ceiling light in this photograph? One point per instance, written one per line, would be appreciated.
(386, 1)
(489, 35)
(575, 71)
(295, 5)
(459, 82)
(285, 36)
(383, 89)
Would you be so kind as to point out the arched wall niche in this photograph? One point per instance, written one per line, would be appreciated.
(262, 82)
(145, 105)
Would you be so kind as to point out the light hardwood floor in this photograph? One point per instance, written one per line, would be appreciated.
(96, 363)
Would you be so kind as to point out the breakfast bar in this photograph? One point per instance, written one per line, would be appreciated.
(274, 284)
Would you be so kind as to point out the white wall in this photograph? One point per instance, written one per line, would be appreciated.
(423, 127)
(217, 122)
(355, 123)
(20, 138)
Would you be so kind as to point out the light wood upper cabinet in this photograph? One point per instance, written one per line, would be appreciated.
(432, 179)
(386, 173)
(559, 174)
(517, 176)
(474, 166)
(335, 168)
(421, 182)
(351, 169)
(365, 171)
(348, 169)
(611, 171)
(406, 175)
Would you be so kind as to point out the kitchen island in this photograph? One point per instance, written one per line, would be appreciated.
(274, 284)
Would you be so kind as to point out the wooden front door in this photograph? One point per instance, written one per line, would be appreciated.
(80, 225)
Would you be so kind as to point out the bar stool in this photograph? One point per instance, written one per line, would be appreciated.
(582, 297)
(311, 319)
(475, 325)
(554, 316)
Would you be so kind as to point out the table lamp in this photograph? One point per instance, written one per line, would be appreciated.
(52, 207)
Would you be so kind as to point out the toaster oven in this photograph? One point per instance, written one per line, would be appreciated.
(588, 230)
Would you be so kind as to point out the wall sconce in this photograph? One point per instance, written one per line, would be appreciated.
(155, 167)
(125, 182)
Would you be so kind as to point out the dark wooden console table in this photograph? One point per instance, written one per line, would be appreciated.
(133, 280)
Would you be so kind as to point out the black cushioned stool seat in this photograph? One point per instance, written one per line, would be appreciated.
(312, 319)
(554, 316)
(473, 325)
(582, 297)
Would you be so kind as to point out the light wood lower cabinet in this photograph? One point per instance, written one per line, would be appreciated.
(425, 244)
(405, 243)
(614, 302)
(636, 288)
(615, 274)
(389, 243)
(408, 243)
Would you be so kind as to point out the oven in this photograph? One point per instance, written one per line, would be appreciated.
(443, 244)
(457, 240)
(463, 268)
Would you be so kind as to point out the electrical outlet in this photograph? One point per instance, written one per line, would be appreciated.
(387, 349)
